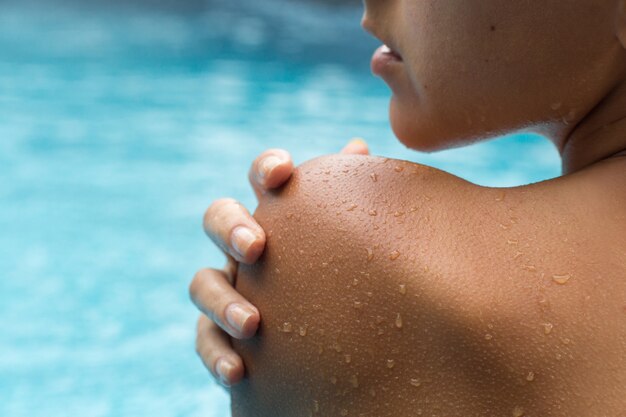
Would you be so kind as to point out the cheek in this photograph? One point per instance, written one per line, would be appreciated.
(481, 72)
(436, 102)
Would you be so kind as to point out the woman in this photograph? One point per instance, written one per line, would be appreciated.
(392, 289)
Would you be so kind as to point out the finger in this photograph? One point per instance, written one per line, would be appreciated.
(230, 269)
(356, 146)
(234, 230)
(214, 349)
(211, 292)
(270, 170)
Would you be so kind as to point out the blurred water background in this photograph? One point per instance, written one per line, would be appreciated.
(119, 124)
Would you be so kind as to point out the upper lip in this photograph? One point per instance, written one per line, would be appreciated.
(370, 28)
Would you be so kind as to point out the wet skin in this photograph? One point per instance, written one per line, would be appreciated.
(460, 71)
(393, 289)
(450, 299)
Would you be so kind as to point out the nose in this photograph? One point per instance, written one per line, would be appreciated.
(366, 22)
(371, 15)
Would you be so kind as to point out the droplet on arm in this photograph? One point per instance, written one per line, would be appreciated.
(286, 327)
(561, 279)
(399, 321)
(547, 328)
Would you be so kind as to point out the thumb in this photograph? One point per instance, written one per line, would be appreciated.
(356, 146)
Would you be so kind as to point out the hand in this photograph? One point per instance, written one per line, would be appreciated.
(225, 313)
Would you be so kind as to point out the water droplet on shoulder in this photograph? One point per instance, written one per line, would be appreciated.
(561, 279)
(286, 327)
(415, 382)
(518, 412)
(547, 328)
(399, 321)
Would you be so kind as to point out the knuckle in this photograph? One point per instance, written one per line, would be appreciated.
(216, 208)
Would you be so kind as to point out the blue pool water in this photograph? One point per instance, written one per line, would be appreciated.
(118, 126)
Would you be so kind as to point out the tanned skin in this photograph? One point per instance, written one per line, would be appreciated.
(389, 288)
(449, 298)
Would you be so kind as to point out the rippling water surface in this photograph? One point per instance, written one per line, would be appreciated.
(118, 126)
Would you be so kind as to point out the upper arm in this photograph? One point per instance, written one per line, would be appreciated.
(363, 286)
(372, 262)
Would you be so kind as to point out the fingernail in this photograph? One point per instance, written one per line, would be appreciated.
(237, 316)
(223, 368)
(242, 239)
(267, 165)
(358, 141)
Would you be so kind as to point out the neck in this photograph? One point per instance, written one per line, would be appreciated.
(600, 135)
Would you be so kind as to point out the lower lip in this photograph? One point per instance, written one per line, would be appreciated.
(383, 61)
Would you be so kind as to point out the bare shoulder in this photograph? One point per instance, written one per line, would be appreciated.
(402, 217)
(383, 276)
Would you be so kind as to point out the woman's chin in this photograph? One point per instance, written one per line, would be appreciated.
(413, 134)
(425, 134)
